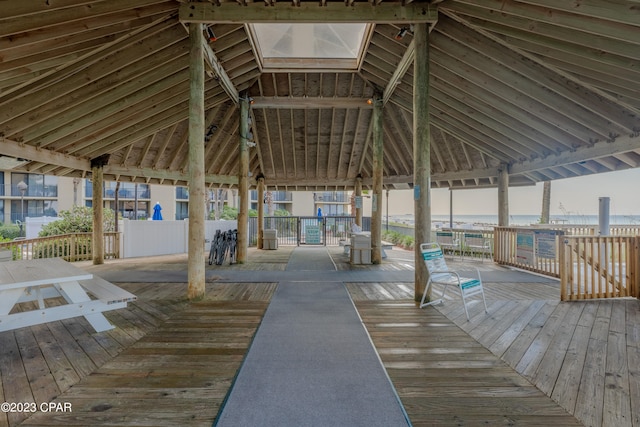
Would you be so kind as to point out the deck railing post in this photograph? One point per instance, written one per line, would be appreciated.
(634, 274)
(563, 269)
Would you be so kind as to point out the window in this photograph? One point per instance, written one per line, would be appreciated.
(182, 210)
(126, 209)
(127, 190)
(182, 193)
(36, 185)
(20, 209)
(310, 46)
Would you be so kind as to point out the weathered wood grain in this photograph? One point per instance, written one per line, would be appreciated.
(456, 381)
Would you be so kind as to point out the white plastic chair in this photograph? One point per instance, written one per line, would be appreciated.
(448, 241)
(476, 243)
(441, 274)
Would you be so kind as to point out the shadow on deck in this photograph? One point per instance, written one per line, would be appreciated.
(170, 362)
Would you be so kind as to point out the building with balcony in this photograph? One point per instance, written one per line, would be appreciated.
(34, 195)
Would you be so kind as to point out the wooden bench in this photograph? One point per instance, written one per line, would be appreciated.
(107, 292)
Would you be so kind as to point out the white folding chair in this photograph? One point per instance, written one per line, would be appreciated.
(476, 243)
(448, 241)
(439, 273)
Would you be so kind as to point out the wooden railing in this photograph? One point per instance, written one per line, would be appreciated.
(458, 234)
(71, 247)
(528, 248)
(599, 267)
(590, 230)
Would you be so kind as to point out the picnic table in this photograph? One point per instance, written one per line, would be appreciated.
(38, 280)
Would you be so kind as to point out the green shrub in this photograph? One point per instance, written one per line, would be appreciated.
(399, 239)
(281, 212)
(408, 242)
(77, 220)
(229, 213)
(9, 232)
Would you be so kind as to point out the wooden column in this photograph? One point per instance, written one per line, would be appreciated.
(359, 194)
(546, 203)
(378, 165)
(97, 204)
(503, 196)
(243, 181)
(421, 152)
(197, 190)
(260, 210)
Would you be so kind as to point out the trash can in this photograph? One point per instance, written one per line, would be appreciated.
(360, 249)
(270, 239)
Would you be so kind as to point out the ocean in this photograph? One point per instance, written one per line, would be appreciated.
(515, 220)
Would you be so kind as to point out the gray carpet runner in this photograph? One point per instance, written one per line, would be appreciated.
(310, 258)
(312, 364)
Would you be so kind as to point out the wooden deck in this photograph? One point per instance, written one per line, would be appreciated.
(169, 362)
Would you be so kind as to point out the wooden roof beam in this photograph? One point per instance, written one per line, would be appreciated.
(306, 12)
(601, 149)
(306, 102)
(225, 81)
(601, 108)
(398, 74)
(150, 173)
(564, 16)
(15, 149)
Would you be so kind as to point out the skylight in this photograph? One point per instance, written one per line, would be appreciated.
(309, 46)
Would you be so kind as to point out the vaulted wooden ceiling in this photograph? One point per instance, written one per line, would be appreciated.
(550, 88)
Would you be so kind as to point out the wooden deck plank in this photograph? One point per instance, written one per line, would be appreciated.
(617, 403)
(633, 355)
(449, 383)
(60, 367)
(508, 335)
(489, 332)
(41, 381)
(565, 390)
(148, 382)
(81, 362)
(521, 343)
(423, 363)
(14, 378)
(551, 362)
(590, 399)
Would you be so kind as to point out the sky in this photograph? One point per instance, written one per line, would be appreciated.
(569, 196)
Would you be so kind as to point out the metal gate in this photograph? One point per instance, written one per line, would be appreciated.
(306, 230)
(312, 230)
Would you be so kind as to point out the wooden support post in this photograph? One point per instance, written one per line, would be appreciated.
(421, 153)
(197, 191)
(243, 181)
(359, 194)
(378, 166)
(503, 196)
(546, 203)
(260, 210)
(98, 209)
